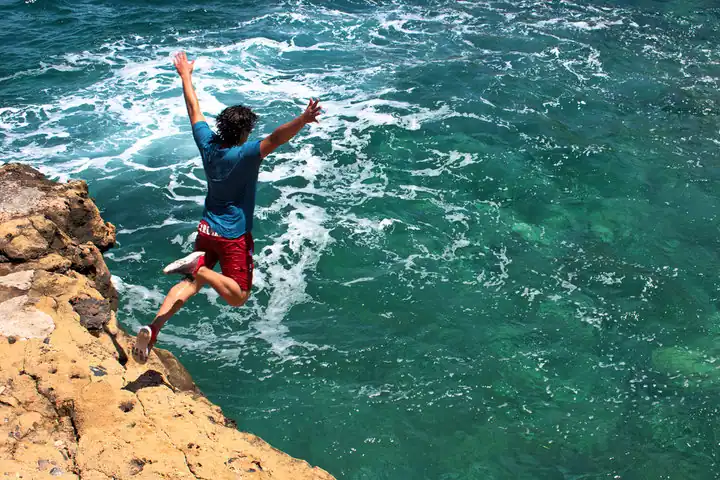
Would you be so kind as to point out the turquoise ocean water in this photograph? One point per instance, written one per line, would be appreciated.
(495, 258)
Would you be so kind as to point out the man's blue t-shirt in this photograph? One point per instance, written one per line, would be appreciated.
(232, 178)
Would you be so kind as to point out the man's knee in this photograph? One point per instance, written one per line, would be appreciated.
(239, 299)
(237, 302)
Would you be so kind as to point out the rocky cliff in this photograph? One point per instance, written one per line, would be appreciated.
(73, 403)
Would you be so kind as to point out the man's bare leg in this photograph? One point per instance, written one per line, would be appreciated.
(194, 266)
(180, 294)
(174, 300)
(183, 291)
(225, 286)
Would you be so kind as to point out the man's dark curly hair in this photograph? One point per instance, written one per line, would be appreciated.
(234, 124)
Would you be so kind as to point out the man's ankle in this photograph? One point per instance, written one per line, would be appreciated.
(200, 266)
(155, 329)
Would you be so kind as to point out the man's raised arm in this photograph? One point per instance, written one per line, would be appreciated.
(285, 132)
(184, 69)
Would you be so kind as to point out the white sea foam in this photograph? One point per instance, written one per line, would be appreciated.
(286, 263)
(133, 256)
(358, 280)
(144, 304)
(137, 100)
(186, 243)
(168, 221)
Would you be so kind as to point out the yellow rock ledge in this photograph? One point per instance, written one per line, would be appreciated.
(72, 402)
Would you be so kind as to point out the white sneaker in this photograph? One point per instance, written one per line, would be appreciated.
(143, 345)
(186, 265)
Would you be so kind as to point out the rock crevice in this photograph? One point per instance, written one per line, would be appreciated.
(69, 393)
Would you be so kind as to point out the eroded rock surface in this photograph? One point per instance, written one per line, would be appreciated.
(73, 404)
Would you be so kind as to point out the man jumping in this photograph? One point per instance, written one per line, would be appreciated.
(231, 165)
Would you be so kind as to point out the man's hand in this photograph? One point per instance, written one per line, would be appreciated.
(285, 132)
(312, 111)
(184, 68)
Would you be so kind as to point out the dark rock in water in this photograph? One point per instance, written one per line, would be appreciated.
(685, 367)
(94, 314)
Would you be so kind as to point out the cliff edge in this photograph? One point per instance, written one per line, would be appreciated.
(73, 403)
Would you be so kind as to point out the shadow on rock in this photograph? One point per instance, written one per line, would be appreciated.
(150, 378)
(122, 356)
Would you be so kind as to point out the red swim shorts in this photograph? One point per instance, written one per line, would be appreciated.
(235, 254)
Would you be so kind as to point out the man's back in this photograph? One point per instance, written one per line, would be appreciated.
(232, 178)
